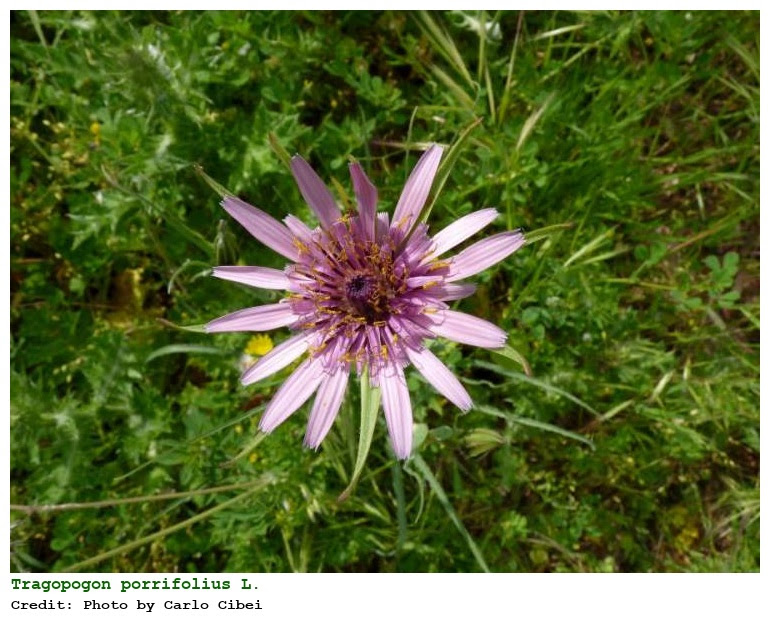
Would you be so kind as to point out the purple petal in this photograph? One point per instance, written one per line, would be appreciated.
(276, 359)
(366, 194)
(484, 254)
(462, 229)
(267, 230)
(260, 318)
(418, 247)
(259, 277)
(382, 225)
(398, 409)
(298, 228)
(417, 188)
(440, 377)
(471, 330)
(451, 292)
(326, 406)
(292, 394)
(314, 191)
(422, 281)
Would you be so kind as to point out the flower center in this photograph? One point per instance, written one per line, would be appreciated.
(359, 288)
(368, 296)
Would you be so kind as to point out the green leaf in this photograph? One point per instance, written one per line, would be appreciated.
(398, 490)
(531, 121)
(590, 246)
(370, 406)
(279, 150)
(423, 469)
(183, 348)
(730, 261)
(545, 232)
(267, 480)
(444, 170)
(252, 444)
(197, 329)
(512, 354)
(419, 433)
(535, 424)
(216, 186)
(444, 45)
(712, 262)
(536, 382)
(482, 440)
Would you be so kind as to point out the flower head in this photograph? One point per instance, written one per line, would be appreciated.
(364, 291)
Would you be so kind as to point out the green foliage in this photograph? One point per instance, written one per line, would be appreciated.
(626, 142)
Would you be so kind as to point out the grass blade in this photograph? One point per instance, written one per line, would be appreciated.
(252, 444)
(463, 98)
(423, 469)
(267, 480)
(196, 329)
(536, 424)
(506, 98)
(114, 502)
(544, 232)
(445, 169)
(557, 31)
(536, 382)
(589, 247)
(215, 186)
(183, 348)
(444, 45)
(398, 490)
(279, 150)
(531, 122)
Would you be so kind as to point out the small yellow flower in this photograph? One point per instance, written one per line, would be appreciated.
(258, 345)
(252, 458)
(96, 131)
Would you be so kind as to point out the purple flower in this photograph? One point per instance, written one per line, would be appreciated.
(364, 291)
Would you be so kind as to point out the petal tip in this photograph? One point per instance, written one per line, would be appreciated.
(402, 453)
(311, 445)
